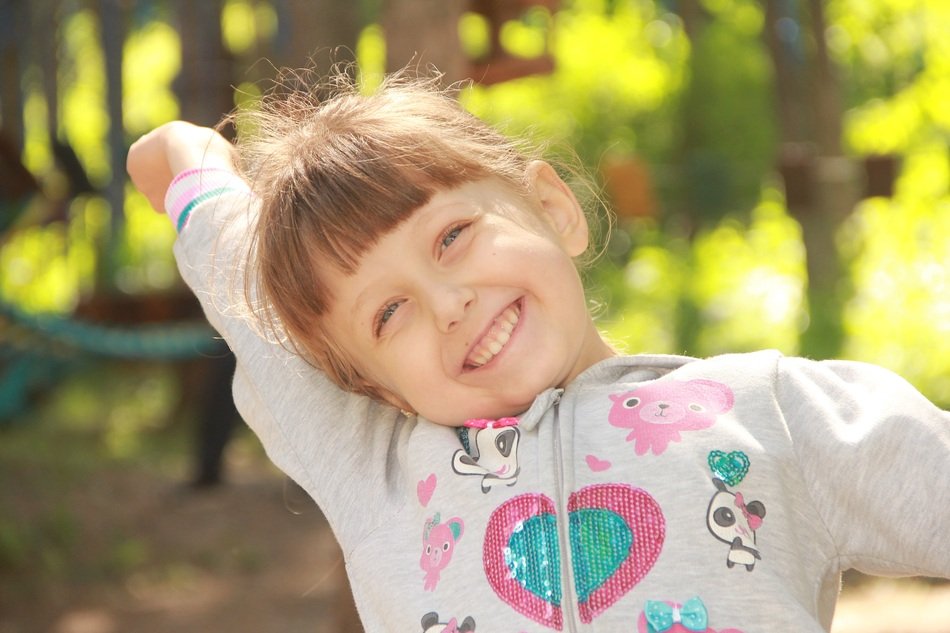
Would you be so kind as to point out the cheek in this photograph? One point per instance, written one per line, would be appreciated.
(349, 348)
(412, 371)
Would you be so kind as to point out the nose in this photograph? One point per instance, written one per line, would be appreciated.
(450, 303)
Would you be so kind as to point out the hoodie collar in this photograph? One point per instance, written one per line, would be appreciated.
(638, 368)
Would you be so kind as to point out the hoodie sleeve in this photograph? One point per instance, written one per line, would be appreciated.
(333, 443)
(875, 455)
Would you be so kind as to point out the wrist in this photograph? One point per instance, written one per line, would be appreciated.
(195, 185)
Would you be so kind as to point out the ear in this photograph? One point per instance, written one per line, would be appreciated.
(429, 620)
(559, 207)
(717, 394)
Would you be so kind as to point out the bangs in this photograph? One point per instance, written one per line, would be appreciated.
(348, 203)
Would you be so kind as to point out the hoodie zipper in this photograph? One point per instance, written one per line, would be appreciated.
(564, 526)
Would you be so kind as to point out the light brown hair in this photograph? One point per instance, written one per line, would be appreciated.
(335, 170)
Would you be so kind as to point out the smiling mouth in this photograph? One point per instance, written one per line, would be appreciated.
(495, 339)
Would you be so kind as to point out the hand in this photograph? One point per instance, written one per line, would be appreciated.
(156, 158)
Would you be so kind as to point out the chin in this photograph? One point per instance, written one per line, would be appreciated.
(503, 410)
(491, 411)
(445, 420)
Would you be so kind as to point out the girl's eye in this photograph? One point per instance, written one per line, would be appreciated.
(451, 235)
(383, 316)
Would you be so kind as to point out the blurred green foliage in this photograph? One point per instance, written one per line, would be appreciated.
(628, 82)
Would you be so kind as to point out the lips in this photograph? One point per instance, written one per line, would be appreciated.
(495, 339)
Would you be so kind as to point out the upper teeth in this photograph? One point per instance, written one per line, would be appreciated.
(496, 338)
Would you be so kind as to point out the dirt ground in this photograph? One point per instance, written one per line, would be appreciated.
(131, 549)
(251, 555)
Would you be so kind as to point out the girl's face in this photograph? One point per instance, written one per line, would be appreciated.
(472, 306)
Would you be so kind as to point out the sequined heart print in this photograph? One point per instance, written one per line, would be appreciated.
(731, 468)
(615, 533)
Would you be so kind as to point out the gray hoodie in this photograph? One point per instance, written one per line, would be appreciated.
(653, 493)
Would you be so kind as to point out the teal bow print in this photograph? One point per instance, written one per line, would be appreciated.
(661, 616)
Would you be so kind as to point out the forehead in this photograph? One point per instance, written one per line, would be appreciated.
(468, 199)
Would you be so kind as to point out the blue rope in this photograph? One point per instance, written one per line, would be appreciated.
(179, 341)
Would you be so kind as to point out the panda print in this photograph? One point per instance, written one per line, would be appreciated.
(734, 521)
(490, 452)
(431, 624)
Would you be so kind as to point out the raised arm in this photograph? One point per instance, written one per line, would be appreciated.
(313, 431)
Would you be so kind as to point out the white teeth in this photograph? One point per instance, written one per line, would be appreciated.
(496, 338)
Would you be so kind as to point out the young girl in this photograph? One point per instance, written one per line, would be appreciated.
(485, 459)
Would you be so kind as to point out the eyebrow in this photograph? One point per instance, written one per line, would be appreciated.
(414, 219)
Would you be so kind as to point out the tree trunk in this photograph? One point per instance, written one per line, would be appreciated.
(788, 59)
(821, 184)
(314, 32)
(204, 87)
(422, 33)
(112, 18)
(14, 40)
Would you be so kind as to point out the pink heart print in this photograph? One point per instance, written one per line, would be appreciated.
(597, 465)
(616, 533)
(425, 488)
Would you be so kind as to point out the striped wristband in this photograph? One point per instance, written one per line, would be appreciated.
(193, 186)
